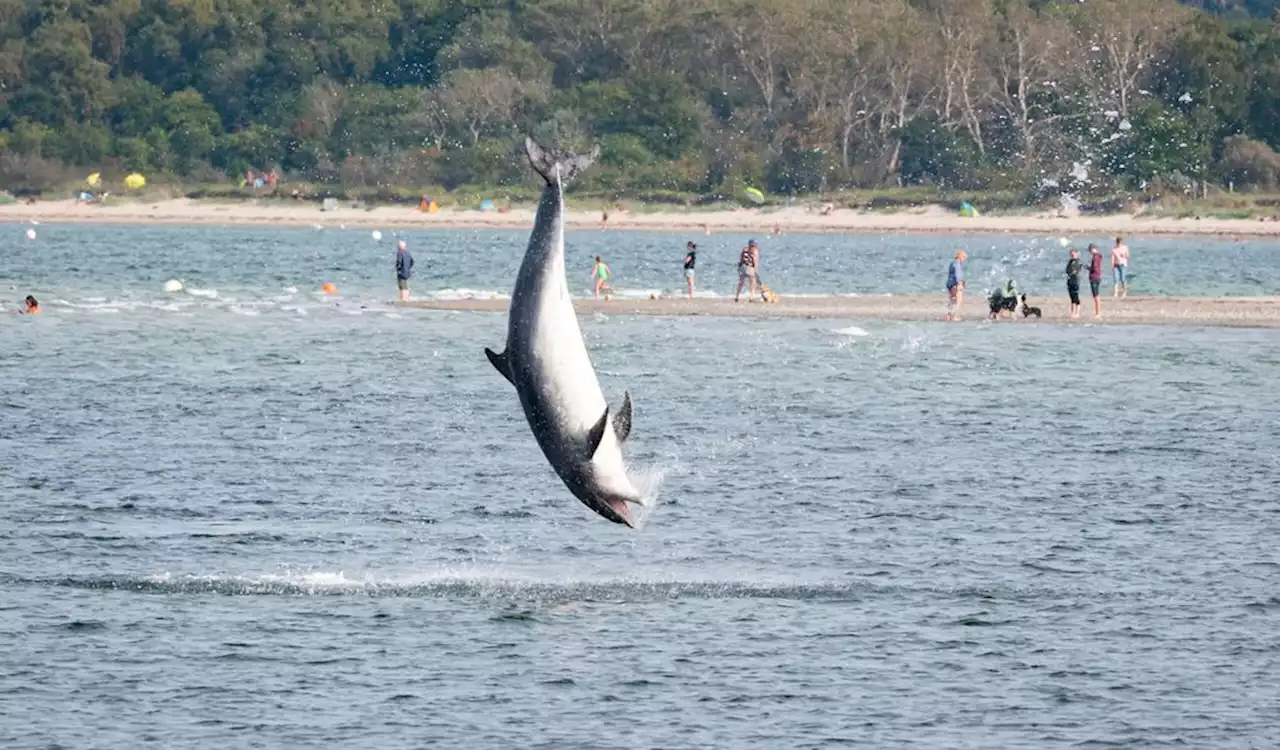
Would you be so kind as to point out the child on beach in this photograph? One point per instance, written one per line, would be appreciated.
(955, 285)
(601, 276)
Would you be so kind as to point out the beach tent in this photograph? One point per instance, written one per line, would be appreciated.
(487, 205)
(754, 194)
(968, 211)
(135, 181)
(94, 179)
(428, 206)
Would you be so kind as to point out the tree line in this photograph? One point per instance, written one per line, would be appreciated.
(696, 96)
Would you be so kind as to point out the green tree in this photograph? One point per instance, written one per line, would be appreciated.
(661, 111)
(193, 127)
(63, 82)
(1161, 142)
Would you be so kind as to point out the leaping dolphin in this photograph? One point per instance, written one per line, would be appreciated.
(547, 362)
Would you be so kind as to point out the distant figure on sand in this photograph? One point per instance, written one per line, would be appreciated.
(601, 275)
(1120, 268)
(1073, 282)
(404, 269)
(748, 266)
(1095, 278)
(690, 260)
(955, 285)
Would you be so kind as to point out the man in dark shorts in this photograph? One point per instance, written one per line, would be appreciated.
(1073, 282)
(1095, 278)
(404, 269)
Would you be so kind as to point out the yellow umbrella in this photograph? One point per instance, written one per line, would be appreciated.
(94, 179)
(135, 181)
(754, 194)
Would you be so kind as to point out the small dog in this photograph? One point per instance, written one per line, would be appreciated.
(768, 294)
(1028, 310)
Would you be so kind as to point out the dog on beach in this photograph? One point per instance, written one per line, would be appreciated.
(768, 294)
(1028, 310)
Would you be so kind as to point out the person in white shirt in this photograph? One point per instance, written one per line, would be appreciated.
(1120, 268)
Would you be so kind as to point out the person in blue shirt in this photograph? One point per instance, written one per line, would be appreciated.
(404, 269)
(955, 285)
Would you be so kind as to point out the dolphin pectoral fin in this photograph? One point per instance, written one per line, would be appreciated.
(622, 420)
(597, 433)
(500, 364)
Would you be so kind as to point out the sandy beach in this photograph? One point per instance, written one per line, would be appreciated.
(1239, 312)
(926, 220)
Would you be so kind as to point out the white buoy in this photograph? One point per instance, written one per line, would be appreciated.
(1064, 241)
(173, 285)
(377, 236)
(31, 234)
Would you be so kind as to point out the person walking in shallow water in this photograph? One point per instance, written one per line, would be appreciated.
(1073, 282)
(404, 269)
(955, 285)
(690, 260)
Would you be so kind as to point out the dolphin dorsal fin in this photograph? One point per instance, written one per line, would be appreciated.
(622, 420)
(500, 364)
(597, 433)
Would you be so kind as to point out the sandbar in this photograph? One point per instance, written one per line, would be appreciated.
(1238, 312)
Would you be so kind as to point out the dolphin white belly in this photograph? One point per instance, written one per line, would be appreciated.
(547, 361)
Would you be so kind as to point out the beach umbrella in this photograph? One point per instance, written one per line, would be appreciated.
(968, 211)
(94, 179)
(135, 181)
(754, 194)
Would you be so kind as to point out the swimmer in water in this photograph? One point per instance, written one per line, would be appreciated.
(601, 275)
(31, 306)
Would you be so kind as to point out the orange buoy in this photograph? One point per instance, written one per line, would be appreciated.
(329, 288)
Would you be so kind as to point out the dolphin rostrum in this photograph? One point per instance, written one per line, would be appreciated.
(547, 361)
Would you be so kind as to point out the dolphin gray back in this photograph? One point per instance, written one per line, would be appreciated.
(545, 161)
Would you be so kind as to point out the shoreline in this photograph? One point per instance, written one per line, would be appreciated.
(1232, 312)
(932, 220)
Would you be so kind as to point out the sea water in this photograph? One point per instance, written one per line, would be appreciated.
(334, 529)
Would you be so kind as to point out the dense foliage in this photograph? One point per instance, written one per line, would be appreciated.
(684, 95)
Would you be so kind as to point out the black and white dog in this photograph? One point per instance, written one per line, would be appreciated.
(1028, 310)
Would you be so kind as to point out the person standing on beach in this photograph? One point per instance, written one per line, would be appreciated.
(748, 263)
(955, 285)
(1120, 269)
(690, 260)
(1073, 282)
(1095, 278)
(600, 275)
(404, 269)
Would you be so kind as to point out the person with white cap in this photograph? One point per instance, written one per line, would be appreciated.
(404, 269)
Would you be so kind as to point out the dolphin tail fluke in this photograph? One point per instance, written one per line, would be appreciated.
(557, 166)
(500, 364)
